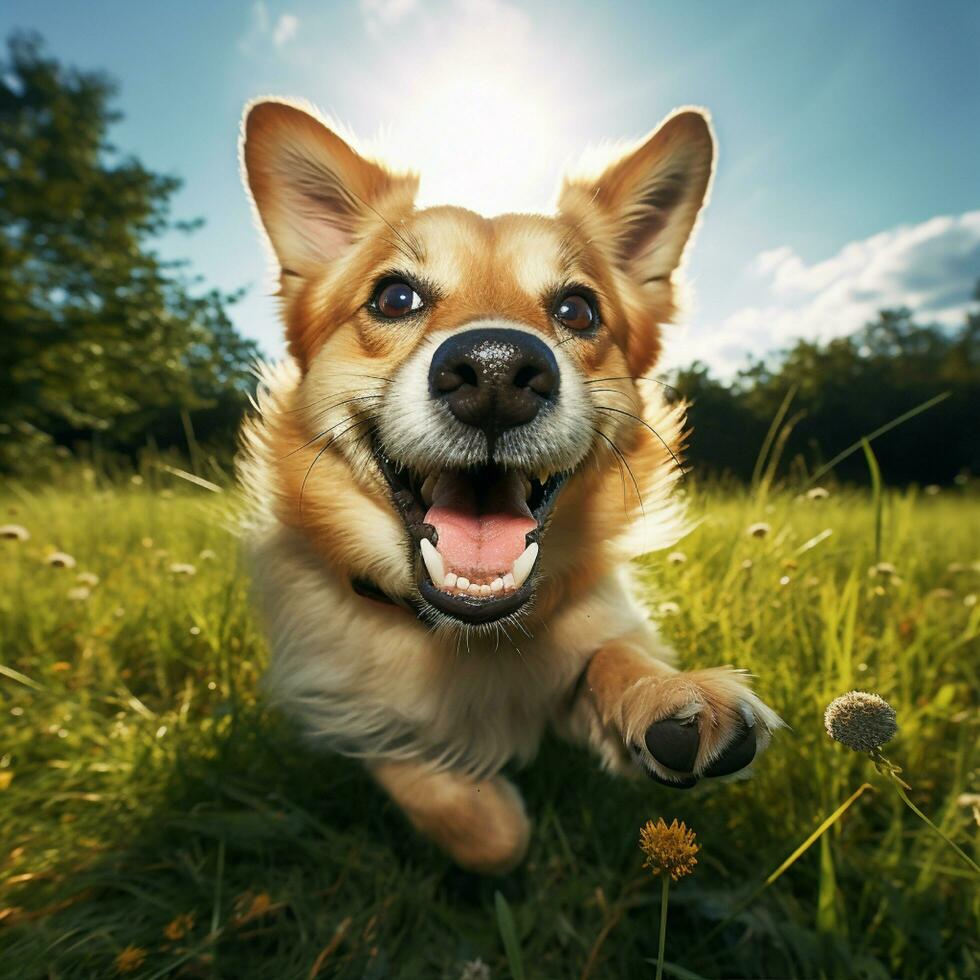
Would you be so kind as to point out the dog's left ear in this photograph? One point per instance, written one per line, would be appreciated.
(646, 203)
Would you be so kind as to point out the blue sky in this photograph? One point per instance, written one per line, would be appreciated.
(849, 162)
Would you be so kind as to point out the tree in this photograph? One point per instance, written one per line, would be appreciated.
(99, 337)
(844, 389)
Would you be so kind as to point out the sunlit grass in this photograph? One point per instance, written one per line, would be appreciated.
(155, 818)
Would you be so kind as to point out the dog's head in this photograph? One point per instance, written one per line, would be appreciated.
(467, 381)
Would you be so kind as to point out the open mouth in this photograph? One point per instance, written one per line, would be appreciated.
(477, 533)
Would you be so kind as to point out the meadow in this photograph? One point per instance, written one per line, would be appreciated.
(158, 820)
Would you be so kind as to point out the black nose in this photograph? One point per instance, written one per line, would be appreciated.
(494, 379)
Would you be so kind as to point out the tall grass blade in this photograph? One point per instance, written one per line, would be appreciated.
(792, 859)
(777, 421)
(876, 498)
(508, 933)
(880, 431)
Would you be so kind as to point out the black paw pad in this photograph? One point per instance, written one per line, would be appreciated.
(681, 782)
(740, 752)
(674, 743)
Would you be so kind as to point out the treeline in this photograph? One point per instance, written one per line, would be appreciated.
(107, 347)
(103, 343)
(833, 393)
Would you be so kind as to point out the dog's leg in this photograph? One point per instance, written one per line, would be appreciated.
(481, 824)
(676, 725)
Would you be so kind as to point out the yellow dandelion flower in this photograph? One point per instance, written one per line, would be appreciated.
(179, 927)
(669, 848)
(130, 959)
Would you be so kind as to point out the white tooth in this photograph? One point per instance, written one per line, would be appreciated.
(474, 589)
(449, 581)
(462, 583)
(485, 590)
(497, 585)
(509, 583)
(433, 562)
(428, 487)
(524, 564)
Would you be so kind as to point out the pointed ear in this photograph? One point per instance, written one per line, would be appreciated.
(647, 201)
(313, 192)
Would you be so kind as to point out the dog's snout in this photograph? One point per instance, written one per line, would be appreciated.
(494, 379)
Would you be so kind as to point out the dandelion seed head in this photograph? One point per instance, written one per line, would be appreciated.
(14, 532)
(182, 568)
(669, 848)
(861, 721)
(676, 558)
(87, 578)
(883, 569)
(817, 493)
(475, 970)
(668, 609)
(60, 559)
(932, 489)
(79, 594)
(758, 530)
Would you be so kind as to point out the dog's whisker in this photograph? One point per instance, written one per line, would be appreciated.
(623, 461)
(346, 394)
(629, 377)
(636, 418)
(325, 432)
(325, 447)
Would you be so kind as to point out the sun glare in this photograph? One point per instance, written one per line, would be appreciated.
(478, 111)
(479, 142)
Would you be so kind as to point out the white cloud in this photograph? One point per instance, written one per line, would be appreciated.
(285, 29)
(931, 268)
(384, 13)
(262, 29)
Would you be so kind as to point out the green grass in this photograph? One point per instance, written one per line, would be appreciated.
(143, 779)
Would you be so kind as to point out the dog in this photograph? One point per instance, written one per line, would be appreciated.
(454, 465)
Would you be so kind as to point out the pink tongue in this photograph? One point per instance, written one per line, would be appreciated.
(480, 539)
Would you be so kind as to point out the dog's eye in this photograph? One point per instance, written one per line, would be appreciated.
(576, 312)
(396, 299)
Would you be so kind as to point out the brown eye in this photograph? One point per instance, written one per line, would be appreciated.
(576, 312)
(397, 299)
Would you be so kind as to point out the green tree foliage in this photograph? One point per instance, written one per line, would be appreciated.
(844, 389)
(101, 339)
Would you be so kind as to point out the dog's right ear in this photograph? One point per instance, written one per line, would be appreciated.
(314, 194)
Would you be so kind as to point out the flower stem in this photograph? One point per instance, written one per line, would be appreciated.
(899, 786)
(663, 924)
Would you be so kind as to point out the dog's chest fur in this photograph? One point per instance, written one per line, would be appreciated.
(369, 680)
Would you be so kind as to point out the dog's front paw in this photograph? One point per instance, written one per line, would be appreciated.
(687, 725)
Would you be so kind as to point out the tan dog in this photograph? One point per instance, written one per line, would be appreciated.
(455, 466)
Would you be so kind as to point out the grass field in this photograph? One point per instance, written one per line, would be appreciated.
(157, 821)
